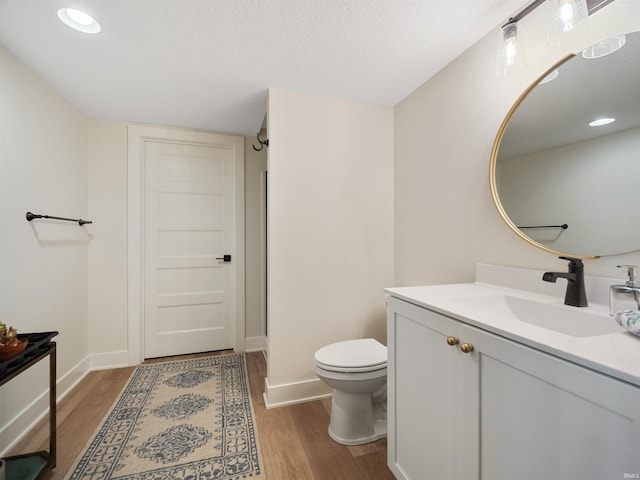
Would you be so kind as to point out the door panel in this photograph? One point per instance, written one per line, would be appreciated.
(425, 395)
(544, 417)
(189, 216)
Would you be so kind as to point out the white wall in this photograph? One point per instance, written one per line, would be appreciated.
(43, 264)
(445, 220)
(107, 166)
(330, 232)
(255, 164)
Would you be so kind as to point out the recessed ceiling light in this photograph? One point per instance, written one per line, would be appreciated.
(78, 20)
(601, 121)
(604, 47)
(549, 77)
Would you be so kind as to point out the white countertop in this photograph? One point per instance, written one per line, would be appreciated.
(616, 354)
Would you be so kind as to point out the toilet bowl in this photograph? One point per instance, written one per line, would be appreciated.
(357, 372)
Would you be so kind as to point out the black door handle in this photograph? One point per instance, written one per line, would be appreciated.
(225, 258)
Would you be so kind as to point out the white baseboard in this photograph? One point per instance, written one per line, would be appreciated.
(255, 344)
(103, 361)
(298, 392)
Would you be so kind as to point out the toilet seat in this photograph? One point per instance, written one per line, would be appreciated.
(356, 370)
(363, 355)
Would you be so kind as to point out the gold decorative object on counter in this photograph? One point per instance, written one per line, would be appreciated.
(10, 344)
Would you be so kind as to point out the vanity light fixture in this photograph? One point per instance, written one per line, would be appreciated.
(566, 15)
(602, 121)
(79, 20)
(510, 53)
(604, 47)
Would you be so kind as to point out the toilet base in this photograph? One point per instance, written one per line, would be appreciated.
(357, 419)
(379, 431)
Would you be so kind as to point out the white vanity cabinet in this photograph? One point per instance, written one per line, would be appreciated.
(502, 410)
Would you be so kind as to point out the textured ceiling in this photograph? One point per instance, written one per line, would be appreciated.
(207, 64)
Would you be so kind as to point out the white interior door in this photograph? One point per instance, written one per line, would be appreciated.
(189, 226)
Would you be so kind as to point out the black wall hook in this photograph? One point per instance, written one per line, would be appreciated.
(263, 143)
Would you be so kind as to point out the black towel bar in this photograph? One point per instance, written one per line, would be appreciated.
(564, 226)
(30, 216)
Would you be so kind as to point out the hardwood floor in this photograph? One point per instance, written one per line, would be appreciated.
(293, 439)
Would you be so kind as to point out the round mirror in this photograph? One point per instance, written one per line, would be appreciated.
(564, 175)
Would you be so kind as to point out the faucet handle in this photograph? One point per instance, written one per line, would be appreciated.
(632, 272)
(573, 262)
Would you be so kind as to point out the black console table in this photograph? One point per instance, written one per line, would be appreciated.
(30, 466)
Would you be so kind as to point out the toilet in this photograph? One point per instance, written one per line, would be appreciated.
(357, 372)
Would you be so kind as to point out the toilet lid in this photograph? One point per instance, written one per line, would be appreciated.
(353, 354)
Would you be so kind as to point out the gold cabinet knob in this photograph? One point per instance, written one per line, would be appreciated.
(453, 341)
(466, 347)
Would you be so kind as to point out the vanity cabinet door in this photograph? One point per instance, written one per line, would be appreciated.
(546, 418)
(427, 435)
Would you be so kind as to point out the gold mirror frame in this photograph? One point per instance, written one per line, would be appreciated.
(494, 159)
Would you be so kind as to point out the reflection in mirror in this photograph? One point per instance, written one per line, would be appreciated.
(550, 168)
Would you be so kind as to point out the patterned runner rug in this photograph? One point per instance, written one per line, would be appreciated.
(187, 419)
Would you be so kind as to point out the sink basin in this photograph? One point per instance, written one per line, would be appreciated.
(573, 321)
